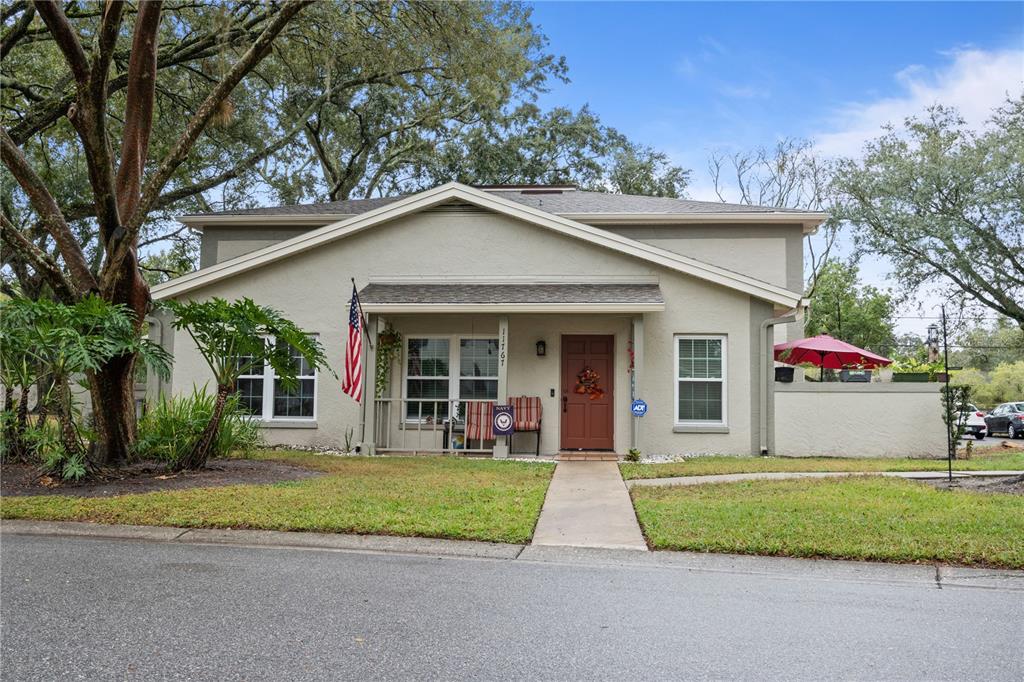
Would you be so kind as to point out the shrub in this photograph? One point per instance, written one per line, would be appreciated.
(168, 431)
(47, 443)
(633, 455)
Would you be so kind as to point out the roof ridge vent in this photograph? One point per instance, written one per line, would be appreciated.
(528, 189)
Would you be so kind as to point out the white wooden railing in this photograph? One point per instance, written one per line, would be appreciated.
(421, 425)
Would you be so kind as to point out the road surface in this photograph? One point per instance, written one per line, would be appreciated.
(86, 608)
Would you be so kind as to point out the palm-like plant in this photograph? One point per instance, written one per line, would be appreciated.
(64, 341)
(234, 338)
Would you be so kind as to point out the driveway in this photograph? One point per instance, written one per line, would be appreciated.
(86, 608)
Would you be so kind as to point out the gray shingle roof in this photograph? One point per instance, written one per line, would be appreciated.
(567, 202)
(602, 202)
(434, 294)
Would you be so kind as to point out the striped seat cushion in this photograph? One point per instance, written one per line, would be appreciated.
(478, 421)
(527, 412)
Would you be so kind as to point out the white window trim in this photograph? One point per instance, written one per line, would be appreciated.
(269, 377)
(724, 421)
(454, 367)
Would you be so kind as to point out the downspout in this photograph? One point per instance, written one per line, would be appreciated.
(767, 358)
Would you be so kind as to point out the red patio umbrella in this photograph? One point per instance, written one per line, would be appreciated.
(828, 353)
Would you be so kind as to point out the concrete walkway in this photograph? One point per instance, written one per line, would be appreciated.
(587, 505)
(780, 475)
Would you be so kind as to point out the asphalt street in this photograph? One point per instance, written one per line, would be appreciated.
(86, 608)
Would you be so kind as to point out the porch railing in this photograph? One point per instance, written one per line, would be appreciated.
(425, 425)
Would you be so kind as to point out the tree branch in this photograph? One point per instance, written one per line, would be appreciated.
(41, 262)
(138, 106)
(67, 40)
(151, 192)
(17, 31)
(44, 205)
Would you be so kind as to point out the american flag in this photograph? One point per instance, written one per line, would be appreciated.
(352, 383)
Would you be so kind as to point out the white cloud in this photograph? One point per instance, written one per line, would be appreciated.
(686, 68)
(974, 81)
(743, 91)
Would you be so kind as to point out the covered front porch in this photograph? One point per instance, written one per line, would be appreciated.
(569, 356)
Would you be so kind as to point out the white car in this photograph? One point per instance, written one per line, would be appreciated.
(974, 421)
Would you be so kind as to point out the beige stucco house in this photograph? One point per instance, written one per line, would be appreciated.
(584, 300)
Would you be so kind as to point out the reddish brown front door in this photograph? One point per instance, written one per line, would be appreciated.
(587, 417)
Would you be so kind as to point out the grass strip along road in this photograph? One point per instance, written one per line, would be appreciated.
(437, 497)
(868, 518)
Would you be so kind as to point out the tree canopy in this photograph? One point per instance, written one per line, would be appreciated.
(945, 204)
(847, 310)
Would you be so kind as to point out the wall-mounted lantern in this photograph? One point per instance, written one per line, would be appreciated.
(542, 348)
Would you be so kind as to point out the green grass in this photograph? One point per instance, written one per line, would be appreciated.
(438, 497)
(704, 466)
(867, 518)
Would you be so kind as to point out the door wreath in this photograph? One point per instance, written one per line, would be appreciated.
(586, 384)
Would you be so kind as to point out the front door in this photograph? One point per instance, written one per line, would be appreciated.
(587, 396)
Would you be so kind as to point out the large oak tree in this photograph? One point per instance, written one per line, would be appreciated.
(945, 204)
(92, 59)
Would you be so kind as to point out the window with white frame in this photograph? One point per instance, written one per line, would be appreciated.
(441, 369)
(264, 395)
(700, 379)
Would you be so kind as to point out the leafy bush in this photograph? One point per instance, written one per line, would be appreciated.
(1003, 384)
(169, 430)
(47, 444)
(633, 455)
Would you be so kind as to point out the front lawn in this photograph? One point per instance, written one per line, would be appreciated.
(868, 518)
(440, 497)
(1004, 460)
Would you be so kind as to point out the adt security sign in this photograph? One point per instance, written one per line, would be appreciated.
(503, 421)
(638, 408)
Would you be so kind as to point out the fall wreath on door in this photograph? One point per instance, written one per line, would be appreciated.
(587, 384)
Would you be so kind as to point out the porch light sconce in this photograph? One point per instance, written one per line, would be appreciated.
(542, 348)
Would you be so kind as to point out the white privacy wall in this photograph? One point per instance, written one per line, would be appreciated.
(859, 420)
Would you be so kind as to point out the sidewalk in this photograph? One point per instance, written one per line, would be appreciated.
(587, 505)
(781, 475)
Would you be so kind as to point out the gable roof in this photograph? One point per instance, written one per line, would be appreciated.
(457, 193)
(566, 201)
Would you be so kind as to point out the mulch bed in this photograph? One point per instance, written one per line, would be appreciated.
(146, 477)
(981, 484)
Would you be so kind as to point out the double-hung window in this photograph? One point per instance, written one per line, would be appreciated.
(448, 368)
(700, 380)
(427, 383)
(265, 396)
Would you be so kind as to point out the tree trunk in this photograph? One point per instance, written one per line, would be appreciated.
(200, 454)
(20, 449)
(10, 422)
(69, 434)
(112, 390)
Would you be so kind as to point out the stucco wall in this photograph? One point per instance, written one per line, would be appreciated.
(859, 420)
(313, 288)
(773, 253)
(219, 244)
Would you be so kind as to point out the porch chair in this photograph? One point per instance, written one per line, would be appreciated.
(478, 422)
(526, 411)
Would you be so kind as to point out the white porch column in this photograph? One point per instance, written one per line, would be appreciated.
(502, 442)
(368, 441)
(638, 367)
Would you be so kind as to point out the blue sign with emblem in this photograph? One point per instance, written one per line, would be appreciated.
(638, 408)
(503, 420)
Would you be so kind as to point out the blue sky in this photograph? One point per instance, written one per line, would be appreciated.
(692, 78)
